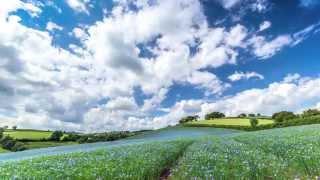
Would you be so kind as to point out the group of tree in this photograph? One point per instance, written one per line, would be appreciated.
(189, 119)
(10, 143)
(243, 115)
(214, 115)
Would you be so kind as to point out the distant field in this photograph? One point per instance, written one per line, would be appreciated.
(2, 150)
(231, 122)
(28, 134)
(44, 144)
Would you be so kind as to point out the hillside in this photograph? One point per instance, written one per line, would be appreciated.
(284, 153)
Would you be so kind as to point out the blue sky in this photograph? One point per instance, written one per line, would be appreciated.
(91, 65)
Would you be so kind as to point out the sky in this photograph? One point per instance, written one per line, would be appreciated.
(93, 65)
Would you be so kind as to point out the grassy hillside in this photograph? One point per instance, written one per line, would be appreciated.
(230, 122)
(284, 153)
(28, 134)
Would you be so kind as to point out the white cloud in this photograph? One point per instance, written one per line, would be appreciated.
(265, 49)
(93, 87)
(79, 5)
(229, 3)
(53, 26)
(264, 25)
(295, 96)
(245, 75)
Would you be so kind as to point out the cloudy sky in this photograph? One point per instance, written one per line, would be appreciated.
(94, 65)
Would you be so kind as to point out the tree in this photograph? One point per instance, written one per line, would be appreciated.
(214, 115)
(254, 122)
(5, 127)
(14, 127)
(189, 119)
(242, 115)
(251, 115)
(283, 116)
(310, 112)
(56, 136)
(1, 132)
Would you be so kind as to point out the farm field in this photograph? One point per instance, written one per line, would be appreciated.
(44, 144)
(28, 134)
(284, 153)
(230, 122)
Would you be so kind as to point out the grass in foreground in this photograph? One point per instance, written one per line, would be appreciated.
(273, 154)
(230, 122)
(124, 162)
(28, 134)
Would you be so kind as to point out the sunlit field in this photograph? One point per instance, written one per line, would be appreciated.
(230, 122)
(28, 134)
(284, 153)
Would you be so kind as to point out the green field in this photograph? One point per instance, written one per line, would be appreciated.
(284, 153)
(44, 144)
(2, 150)
(28, 134)
(230, 122)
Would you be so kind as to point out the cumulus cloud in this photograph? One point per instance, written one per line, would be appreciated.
(245, 75)
(264, 25)
(79, 5)
(92, 88)
(292, 94)
(265, 49)
(51, 26)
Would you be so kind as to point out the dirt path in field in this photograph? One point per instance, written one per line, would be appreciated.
(166, 172)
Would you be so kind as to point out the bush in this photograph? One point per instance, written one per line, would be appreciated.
(254, 122)
(14, 127)
(283, 116)
(18, 146)
(214, 115)
(71, 137)
(11, 144)
(56, 136)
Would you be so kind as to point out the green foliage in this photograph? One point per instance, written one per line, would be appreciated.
(11, 144)
(56, 136)
(188, 119)
(242, 115)
(251, 115)
(100, 137)
(71, 137)
(14, 127)
(214, 115)
(310, 112)
(254, 122)
(283, 116)
(1, 132)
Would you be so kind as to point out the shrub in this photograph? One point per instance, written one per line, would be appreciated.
(14, 127)
(214, 115)
(18, 146)
(283, 116)
(71, 137)
(251, 115)
(56, 136)
(254, 122)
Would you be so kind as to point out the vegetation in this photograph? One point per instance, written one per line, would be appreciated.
(283, 116)
(310, 112)
(144, 161)
(244, 122)
(290, 153)
(254, 122)
(26, 134)
(44, 144)
(286, 153)
(189, 119)
(56, 136)
(214, 115)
